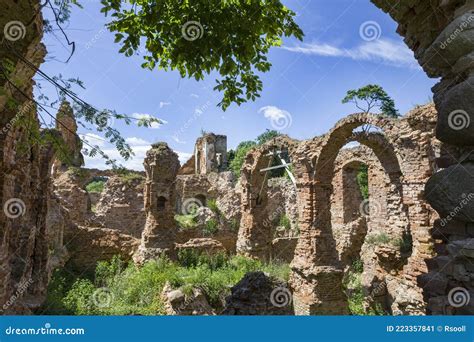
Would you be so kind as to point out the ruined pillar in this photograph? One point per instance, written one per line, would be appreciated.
(69, 154)
(444, 47)
(158, 238)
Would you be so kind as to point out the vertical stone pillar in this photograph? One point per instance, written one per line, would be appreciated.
(69, 154)
(158, 238)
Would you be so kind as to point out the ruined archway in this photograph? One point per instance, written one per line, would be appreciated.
(317, 268)
(255, 233)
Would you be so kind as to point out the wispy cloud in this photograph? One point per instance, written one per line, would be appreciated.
(136, 162)
(134, 141)
(385, 51)
(162, 104)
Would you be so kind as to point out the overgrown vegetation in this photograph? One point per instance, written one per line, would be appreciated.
(211, 227)
(186, 221)
(128, 176)
(284, 221)
(363, 181)
(372, 96)
(188, 36)
(95, 186)
(355, 292)
(118, 288)
(378, 239)
(236, 158)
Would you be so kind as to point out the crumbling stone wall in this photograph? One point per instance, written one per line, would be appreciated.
(120, 206)
(71, 148)
(24, 165)
(404, 151)
(161, 167)
(210, 155)
(255, 233)
(444, 45)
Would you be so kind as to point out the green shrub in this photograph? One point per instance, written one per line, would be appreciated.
(211, 227)
(137, 290)
(378, 239)
(405, 243)
(95, 187)
(212, 204)
(234, 225)
(186, 221)
(284, 221)
(79, 298)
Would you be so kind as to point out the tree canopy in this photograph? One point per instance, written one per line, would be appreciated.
(230, 37)
(372, 96)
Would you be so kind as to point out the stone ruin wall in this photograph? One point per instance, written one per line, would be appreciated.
(444, 48)
(25, 241)
(406, 152)
(33, 227)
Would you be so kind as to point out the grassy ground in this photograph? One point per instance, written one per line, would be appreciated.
(125, 289)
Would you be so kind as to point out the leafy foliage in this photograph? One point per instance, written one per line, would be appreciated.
(186, 221)
(95, 187)
(373, 96)
(136, 290)
(196, 37)
(237, 157)
(211, 227)
(268, 135)
(284, 221)
(240, 152)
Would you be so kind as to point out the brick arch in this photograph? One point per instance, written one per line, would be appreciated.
(255, 233)
(317, 271)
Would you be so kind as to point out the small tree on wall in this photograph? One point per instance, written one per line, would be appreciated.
(372, 96)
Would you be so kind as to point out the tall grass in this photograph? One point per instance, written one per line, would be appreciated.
(126, 289)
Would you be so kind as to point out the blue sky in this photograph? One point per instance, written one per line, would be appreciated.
(348, 44)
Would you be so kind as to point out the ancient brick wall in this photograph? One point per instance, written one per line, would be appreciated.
(403, 148)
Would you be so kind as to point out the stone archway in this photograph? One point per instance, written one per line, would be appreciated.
(255, 233)
(317, 271)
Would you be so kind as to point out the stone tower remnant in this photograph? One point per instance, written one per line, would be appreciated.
(161, 167)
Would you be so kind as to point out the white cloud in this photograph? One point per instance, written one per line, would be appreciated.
(381, 50)
(134, 141)
(274, 113)
(153, 125)
(162, 104)
(196, 96)
(134, 163)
